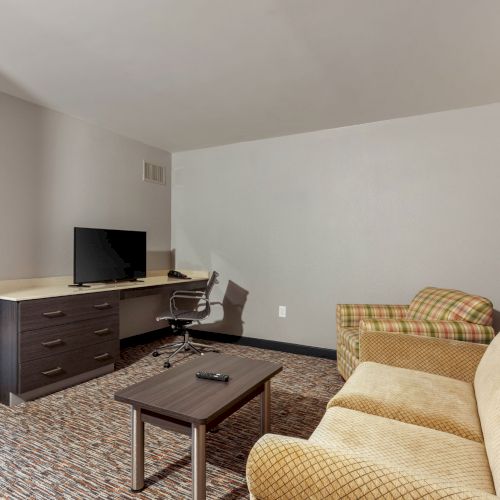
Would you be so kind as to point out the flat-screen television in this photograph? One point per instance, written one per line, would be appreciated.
(108, 255)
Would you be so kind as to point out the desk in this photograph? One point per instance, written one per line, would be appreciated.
(53, 336)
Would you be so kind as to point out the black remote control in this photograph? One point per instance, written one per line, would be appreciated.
(219, 377)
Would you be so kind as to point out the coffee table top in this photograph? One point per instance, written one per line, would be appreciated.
(177, 393)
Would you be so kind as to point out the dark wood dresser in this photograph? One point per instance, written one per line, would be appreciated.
(53, 336)
(56, 342)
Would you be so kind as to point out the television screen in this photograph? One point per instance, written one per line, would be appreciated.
(108, 255)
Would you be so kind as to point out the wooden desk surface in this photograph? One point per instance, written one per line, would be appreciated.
(42, 288)
(178, 394)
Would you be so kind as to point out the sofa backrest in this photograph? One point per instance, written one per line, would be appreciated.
(487, 387)
(442, 304)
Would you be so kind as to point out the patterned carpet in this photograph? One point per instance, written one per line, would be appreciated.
(75, 444)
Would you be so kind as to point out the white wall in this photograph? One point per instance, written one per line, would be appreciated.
(368, 213)
(57, 172)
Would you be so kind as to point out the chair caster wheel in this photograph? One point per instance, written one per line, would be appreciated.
(155, 354)
(166, 364)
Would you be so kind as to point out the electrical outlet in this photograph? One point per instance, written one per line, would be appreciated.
(282, 311)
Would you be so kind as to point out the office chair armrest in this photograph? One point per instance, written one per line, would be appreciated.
(188, 292)
(192, 297)
(197, 298)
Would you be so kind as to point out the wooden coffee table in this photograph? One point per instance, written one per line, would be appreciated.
(178, 401)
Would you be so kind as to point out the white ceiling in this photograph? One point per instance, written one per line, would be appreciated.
(184, 74)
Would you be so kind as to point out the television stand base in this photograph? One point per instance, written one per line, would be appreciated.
(80, 285)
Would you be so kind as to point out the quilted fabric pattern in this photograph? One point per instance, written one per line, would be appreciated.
(285, 468)
(458, 330)
(349, 315)
(449, 358)
(487, 386)
(450, 305)
(435, 402)
(418, 451)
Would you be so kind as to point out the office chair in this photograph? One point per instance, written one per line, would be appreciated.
(179, 318)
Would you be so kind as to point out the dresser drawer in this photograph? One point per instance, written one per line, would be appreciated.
(40, 313)
(52, 340)
(45, 371)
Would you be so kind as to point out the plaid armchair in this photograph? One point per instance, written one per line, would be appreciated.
(434, 312)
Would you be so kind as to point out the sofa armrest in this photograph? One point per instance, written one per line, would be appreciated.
(282, 468)
(450, 358)
(349, 315)
(456, 330)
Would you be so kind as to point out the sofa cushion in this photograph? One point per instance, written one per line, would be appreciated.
(418, 451)
(442, 304)
(487, 386)
(414, 397)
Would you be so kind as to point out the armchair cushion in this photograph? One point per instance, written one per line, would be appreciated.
(441, 304)
(457, 330)
(435, 402)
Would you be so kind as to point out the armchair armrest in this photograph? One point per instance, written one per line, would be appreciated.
(456, 330)
(282, 468)
(450, 358)
(349, 315)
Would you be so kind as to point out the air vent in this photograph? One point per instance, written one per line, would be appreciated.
(154, 173)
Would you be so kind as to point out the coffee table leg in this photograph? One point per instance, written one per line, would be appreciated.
(265, 408)
(137, 450)
(198, 461)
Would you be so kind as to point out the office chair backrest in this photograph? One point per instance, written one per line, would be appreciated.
(212, 281)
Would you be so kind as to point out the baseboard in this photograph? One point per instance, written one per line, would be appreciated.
(272, 345)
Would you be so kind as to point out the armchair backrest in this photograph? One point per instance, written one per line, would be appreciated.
(441, 304)
(487, 388)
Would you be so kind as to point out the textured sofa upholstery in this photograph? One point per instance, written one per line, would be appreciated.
(434, 312)
(395, 431)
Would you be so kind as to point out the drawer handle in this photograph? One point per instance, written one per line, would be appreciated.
(103, 357)
(52, 343)
(104, 331)
(54, 371)
(53, 314)
(104, 305)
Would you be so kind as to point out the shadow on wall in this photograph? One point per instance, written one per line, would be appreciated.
(496, 320)
(159, 260)
(232, 304)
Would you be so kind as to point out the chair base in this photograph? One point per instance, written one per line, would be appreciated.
(185, 346)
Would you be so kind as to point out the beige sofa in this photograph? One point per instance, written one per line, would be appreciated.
(419, 418)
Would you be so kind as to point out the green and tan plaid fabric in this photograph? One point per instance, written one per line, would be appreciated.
(456, 330)
(348, 318)
(442, 304)
(347, 351)
(349, 315)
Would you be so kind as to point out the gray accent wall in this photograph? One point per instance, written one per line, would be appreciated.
(57, 172)
(362, 214)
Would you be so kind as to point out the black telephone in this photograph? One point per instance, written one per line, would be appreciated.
(177, 274)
